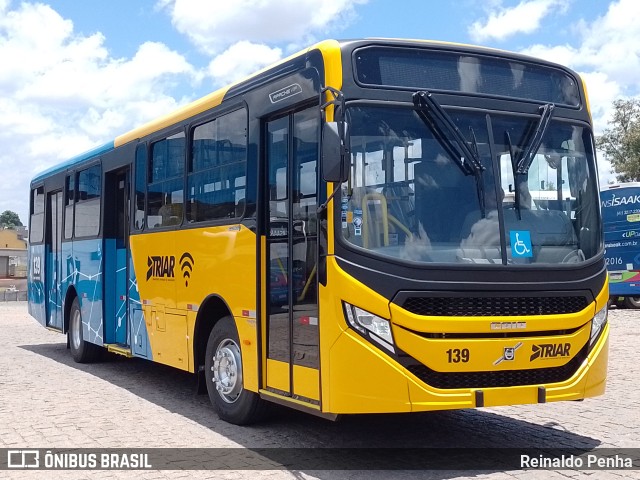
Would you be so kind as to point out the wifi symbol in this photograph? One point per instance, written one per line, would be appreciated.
(186, 265)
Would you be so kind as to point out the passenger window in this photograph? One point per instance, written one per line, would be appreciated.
(217, 169)
(87, 214)
(36, 222)
(165, 189)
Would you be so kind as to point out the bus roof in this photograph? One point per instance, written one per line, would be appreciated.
(61, 167)
(331, 48)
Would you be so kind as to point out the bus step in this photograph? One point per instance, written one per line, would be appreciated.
(119, 349)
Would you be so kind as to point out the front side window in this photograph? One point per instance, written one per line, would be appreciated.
(410, 196)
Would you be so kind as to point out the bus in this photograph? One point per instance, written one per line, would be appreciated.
(367, 226)
(621, 219)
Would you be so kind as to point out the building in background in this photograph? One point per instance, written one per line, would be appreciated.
(13, 253)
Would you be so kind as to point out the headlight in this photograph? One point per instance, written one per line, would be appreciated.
(370, 325)
(597, 325)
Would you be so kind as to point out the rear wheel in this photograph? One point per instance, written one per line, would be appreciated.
(632, 302)
(81, 351)
(223, 371)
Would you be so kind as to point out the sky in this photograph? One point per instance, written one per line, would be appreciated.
(75, 74)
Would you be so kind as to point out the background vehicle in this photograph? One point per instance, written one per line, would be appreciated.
(367, 226)
(621, 220)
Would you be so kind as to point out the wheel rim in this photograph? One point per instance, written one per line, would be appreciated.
(227, 371)
(76, 324)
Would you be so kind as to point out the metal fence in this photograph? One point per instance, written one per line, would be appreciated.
(13, 296)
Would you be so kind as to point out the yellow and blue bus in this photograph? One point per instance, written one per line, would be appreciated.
(621, 220)
(367, 226)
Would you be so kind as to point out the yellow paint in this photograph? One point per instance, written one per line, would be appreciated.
(284, 399)
(306, 382)
(362, 379)
(168, 338)
(278, 375)
(216, 251)
(263, 308)
(586, 97)
(483, 353)
(249, 347)
(117, 349)
(535, 323)
(330, 50)
(598, 362)
(11, 240)
(359, 377)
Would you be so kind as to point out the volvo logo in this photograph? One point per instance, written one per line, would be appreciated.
(509, 354)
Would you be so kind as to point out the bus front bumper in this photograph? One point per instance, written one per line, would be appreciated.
(364, 379)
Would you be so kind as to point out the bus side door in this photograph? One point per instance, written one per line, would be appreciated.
(290, 259)
(53, 253)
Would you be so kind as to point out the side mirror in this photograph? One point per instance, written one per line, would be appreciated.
(334, 153)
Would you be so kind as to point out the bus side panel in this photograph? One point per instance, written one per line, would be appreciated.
(177, 270)
(68, 276)
(37, 307)
(87, 260)
(140, 346)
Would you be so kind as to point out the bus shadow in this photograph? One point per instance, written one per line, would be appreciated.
(380, 435)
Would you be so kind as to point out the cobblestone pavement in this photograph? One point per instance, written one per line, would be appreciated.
(48, 401)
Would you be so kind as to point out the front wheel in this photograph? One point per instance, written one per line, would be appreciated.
(81, 350)
(223, 371)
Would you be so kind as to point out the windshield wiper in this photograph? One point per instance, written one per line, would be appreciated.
(514, 169)
(520, 165)
(525, 161)
(434, 116)
(468, 159)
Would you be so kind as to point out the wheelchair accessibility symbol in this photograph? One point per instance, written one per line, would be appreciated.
(520, 244)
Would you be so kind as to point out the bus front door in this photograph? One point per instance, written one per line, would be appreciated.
(53, 270)
(116, 258)
(290, 259)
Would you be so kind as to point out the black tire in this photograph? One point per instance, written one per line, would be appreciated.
(223, 373)
(632, 302)
(81, 351)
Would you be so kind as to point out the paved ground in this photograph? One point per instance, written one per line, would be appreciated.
(48, 401)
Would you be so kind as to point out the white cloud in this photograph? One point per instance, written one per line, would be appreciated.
(506, 22)
(242, 59)
(213, 26)
(61, 93)
(607, 55)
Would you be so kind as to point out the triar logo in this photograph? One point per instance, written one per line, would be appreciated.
(186, 265)
(161, 266)
(550, 350)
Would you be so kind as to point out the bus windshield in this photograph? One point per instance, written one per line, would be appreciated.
(410, 197)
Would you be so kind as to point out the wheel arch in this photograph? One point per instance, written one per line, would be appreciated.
(212, 309)
(68, 301)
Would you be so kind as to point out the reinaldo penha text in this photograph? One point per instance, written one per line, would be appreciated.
(589, 461)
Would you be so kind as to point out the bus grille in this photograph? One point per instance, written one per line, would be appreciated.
(469, 306)
(504, 378)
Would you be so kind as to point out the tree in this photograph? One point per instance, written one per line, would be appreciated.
(621, 141)
(9, 219)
